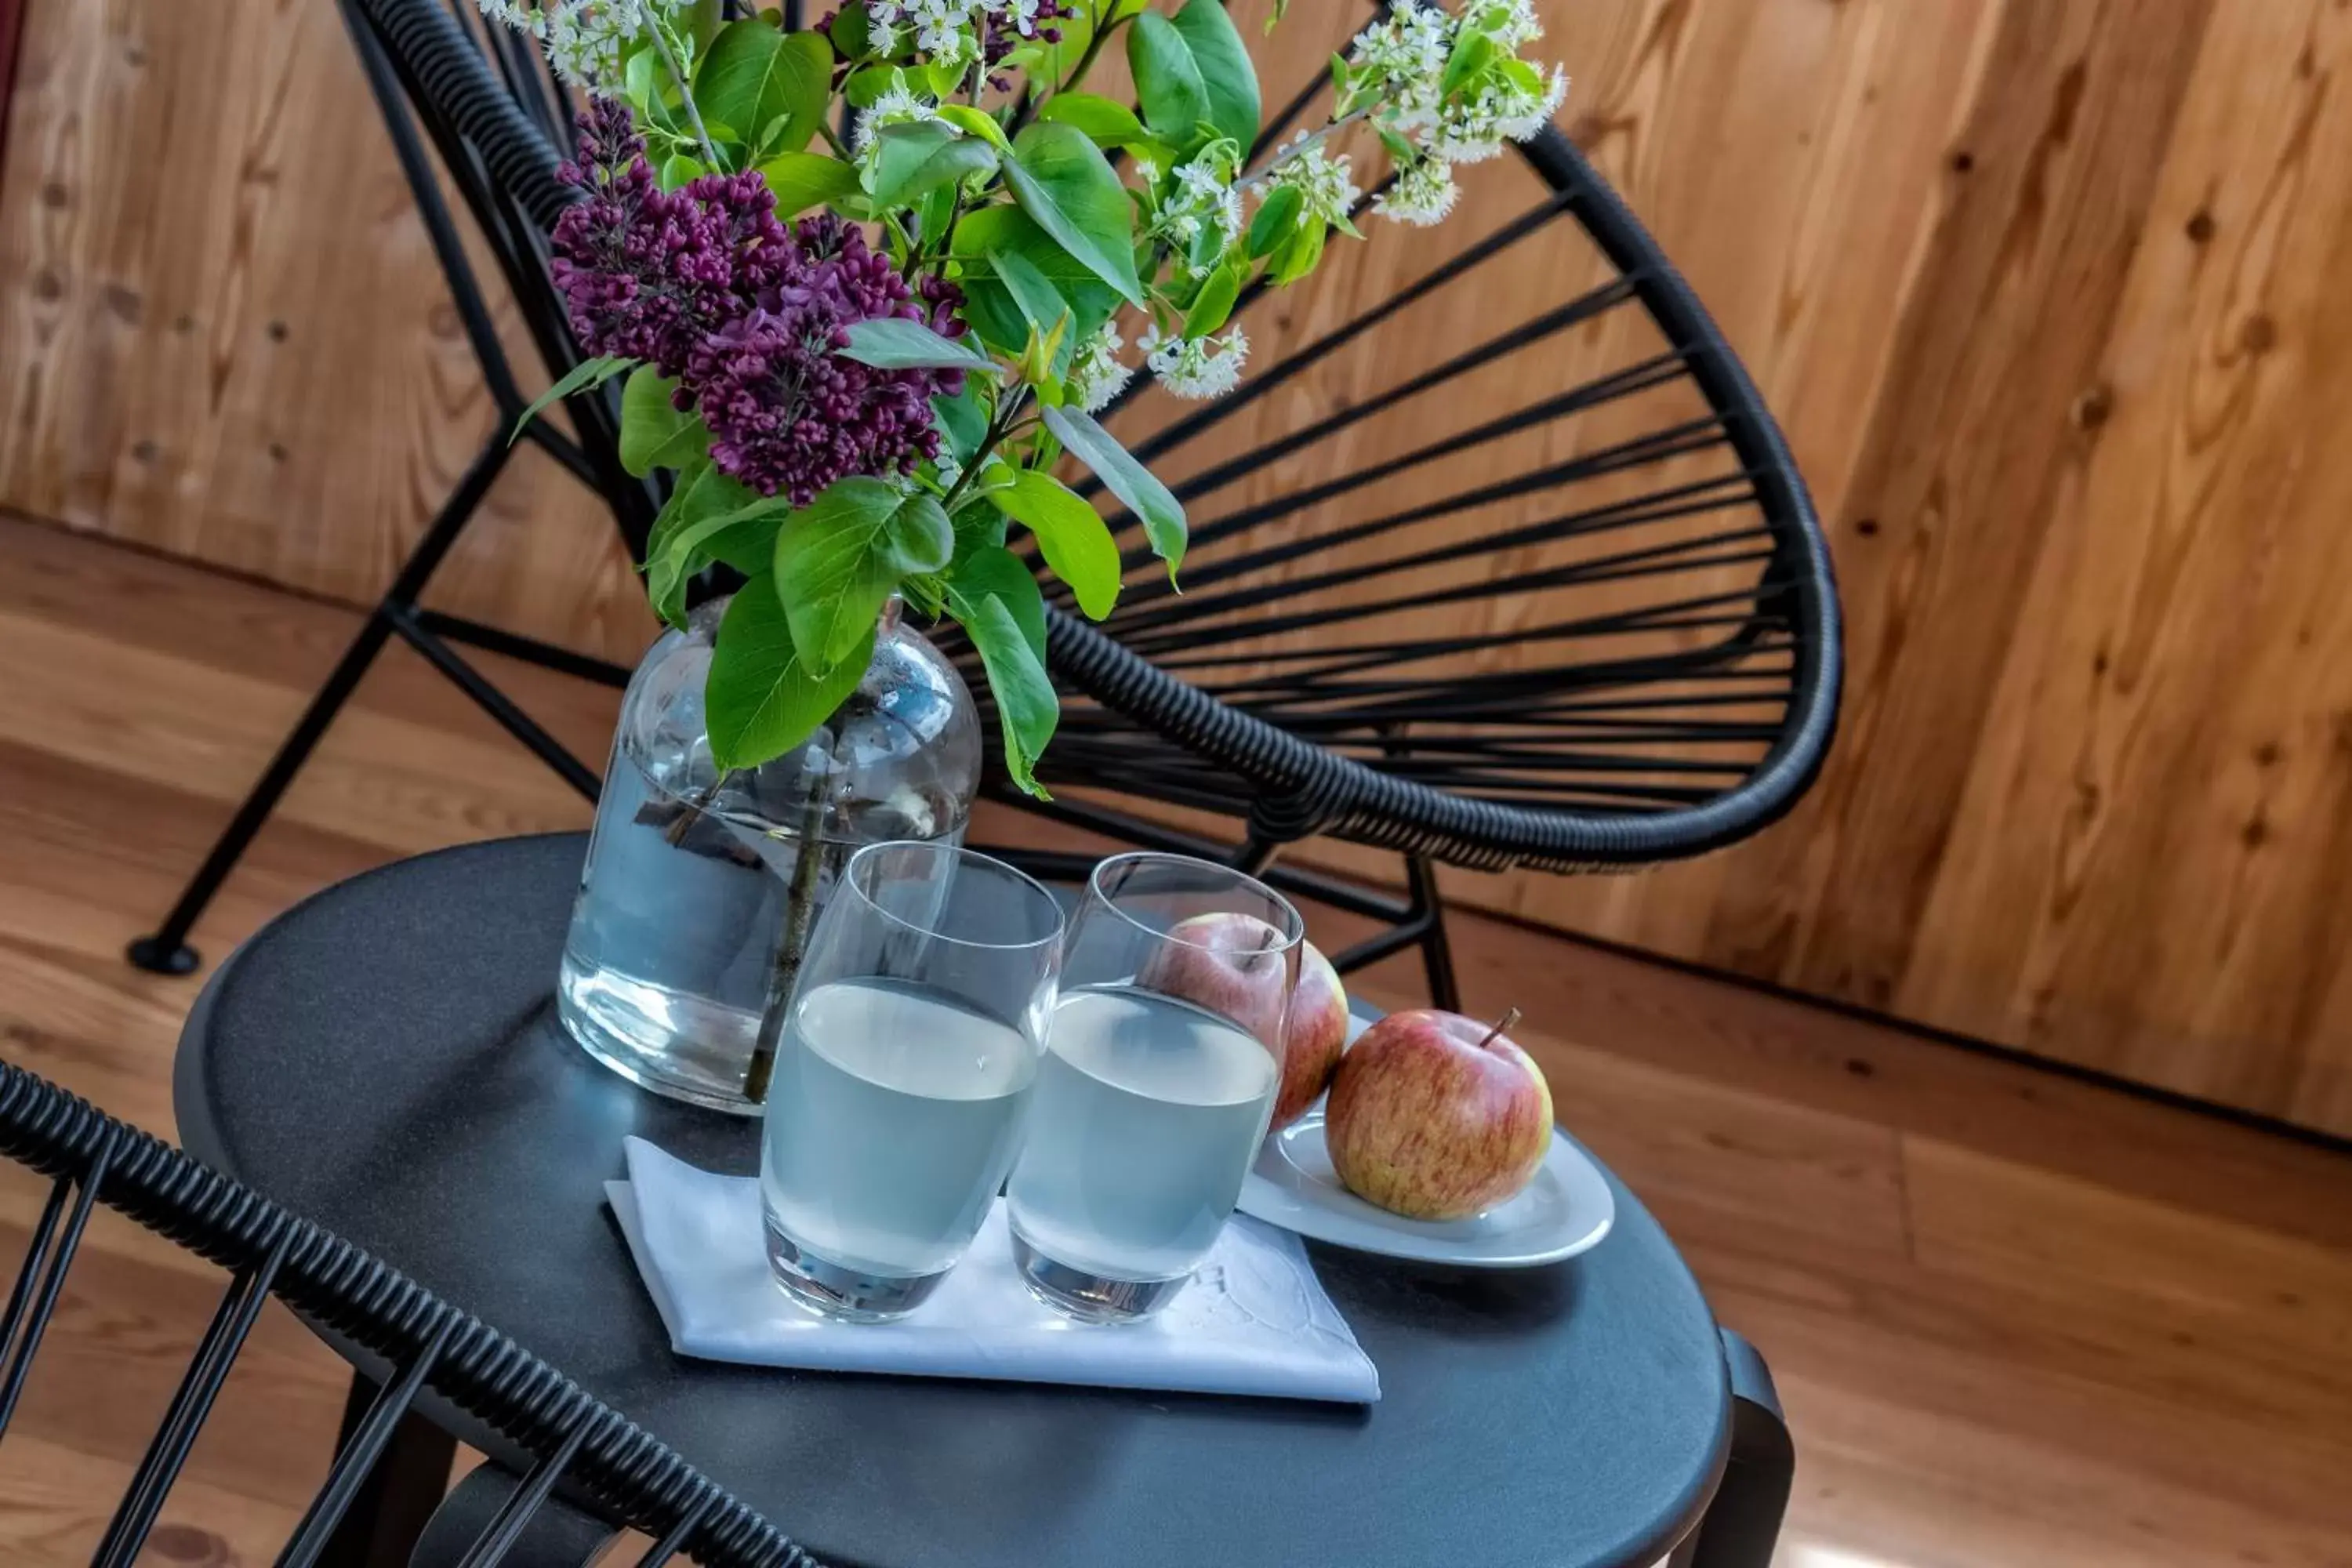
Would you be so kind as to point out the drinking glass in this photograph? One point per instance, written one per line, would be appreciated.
(1159, 1075)
(906, 1065)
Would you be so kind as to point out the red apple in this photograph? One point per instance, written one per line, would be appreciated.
(1313, 1038)
(1435, 1116)
(1230, 963)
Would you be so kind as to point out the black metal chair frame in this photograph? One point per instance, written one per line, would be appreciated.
(566, 1437)
(488, 143)
(498, 138)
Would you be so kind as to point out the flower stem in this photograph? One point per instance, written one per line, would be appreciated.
(998, 428)
(686, 93)
(1093, 52)
(792, 944)
(1274, 164)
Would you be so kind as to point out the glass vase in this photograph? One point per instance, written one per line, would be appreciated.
(699, 893)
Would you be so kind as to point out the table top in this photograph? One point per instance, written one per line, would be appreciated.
(385, 1059)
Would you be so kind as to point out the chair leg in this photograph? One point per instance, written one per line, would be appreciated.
(167, 951)
(1742, 1525)
(1436, 951)
(384, 1520)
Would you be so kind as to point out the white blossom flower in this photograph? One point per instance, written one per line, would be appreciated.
(1325, 184)
(1097, 375)
(895, 107)
(1473, 129)
(1400, 59)
(1512, 23)
(1196, 368)
(587, 41)
(1147, 171)
(1422, 194)
(1202, 199)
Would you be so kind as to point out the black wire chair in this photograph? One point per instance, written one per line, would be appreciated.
(613, 1474)
(1509, 568)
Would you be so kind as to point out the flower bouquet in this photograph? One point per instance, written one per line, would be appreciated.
(865, 357)
(871, 283)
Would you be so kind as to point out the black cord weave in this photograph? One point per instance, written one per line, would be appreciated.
(630, 1474)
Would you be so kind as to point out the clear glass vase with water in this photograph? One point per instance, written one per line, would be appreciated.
(695, 883)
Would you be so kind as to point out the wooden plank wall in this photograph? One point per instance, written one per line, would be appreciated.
(2039, 288)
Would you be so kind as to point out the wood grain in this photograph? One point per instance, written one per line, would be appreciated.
(2044, 292)
(2017, 1320)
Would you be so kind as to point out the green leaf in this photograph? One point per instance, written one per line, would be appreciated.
(1126, 477)
(1472, 52)
(580, 377)
(889, 342)
(853, 32)
(1075, 540)
(1107, 122)
(836, 563)
(1064, 183)
(919, 157)
(1214, 303)
(992, 571)
(654, 434)
(678, 169)
(709, 517)
(1040, 304)
(1167, 78)
(1297, 256)
(1026, 708)
(963, 421)
(918, 538)
(988, 305)
(866, 84)
(1226, 74)
(755, 74)
(761, 698)
(805, 180)
(976, 123)
(978, 526)
(1276, 221)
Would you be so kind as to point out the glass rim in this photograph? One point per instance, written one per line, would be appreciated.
(851, 881)
(1295, 938)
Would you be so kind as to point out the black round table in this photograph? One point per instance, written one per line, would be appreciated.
(385, 1059)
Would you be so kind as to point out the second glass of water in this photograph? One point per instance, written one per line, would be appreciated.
(905, 1065)
(1159, 1077)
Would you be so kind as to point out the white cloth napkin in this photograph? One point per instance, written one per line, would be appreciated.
(1255, 1320)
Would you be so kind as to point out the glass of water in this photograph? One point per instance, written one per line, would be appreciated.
(906, 1063)
(1159, 1075)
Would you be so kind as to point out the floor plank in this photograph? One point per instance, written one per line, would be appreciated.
(2018, 1319)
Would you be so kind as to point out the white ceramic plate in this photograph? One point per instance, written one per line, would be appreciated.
(1566, 1210)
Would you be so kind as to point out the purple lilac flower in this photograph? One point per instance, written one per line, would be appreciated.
(789, 415)
(708, 287)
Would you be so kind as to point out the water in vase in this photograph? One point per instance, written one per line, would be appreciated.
(667, 962)
(1147, 1115)
(895, 1113)
(674, 940)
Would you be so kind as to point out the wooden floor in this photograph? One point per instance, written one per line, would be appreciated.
(2017, 1320)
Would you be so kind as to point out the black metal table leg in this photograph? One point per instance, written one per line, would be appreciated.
(1742, 1525)
(399, 1496)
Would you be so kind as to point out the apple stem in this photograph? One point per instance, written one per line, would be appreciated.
(1510, 1018)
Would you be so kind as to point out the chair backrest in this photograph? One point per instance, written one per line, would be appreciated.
(564, 1436)
(1497, 557)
